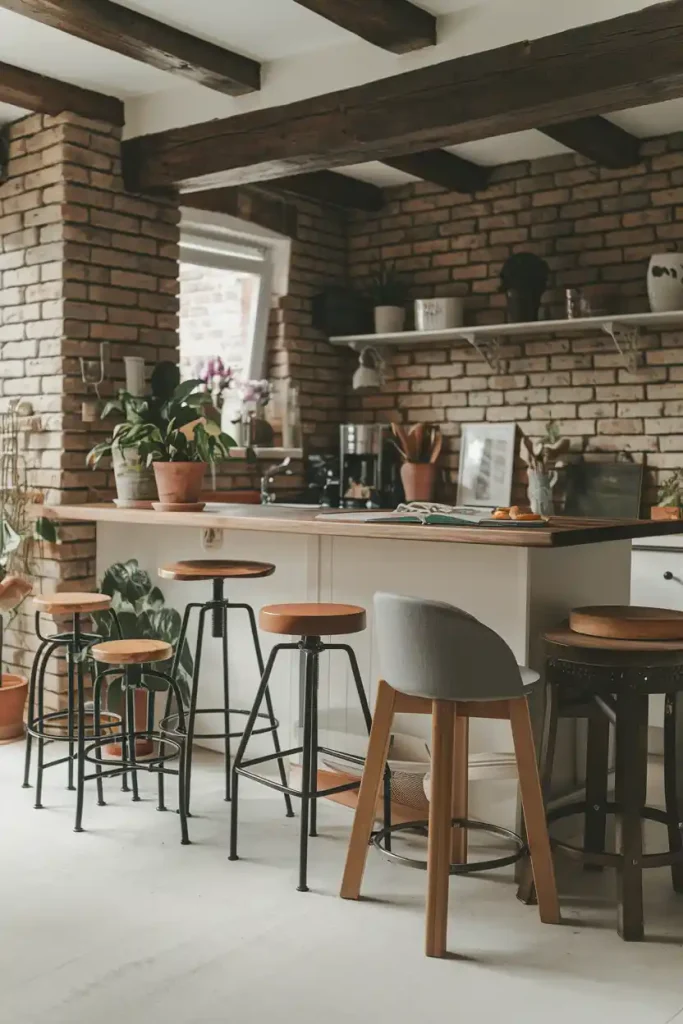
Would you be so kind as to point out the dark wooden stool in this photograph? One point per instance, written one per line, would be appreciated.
(609, 681)
(310, 622)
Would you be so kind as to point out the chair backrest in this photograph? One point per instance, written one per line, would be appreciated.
(430, 649)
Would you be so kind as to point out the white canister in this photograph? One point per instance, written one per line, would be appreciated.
(439, 314)
(665, 282)
(135, 375)
(389, 319)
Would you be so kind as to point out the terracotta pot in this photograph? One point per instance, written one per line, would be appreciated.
(419, 480)
(13, 694)
(665, 512)
(179, 483)
(142, 747)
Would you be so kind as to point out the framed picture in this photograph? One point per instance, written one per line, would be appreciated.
(487, 456)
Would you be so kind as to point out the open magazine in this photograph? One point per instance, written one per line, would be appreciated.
(428, 513)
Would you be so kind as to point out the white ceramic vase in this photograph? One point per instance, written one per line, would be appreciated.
(665, 282)
(439, 314)
(389, 319)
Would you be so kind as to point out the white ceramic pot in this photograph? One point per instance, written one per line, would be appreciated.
(389, 319)
(439, 314)
(665, 282)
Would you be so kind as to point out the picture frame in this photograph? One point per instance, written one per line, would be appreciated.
(487, 457)
(603, 490)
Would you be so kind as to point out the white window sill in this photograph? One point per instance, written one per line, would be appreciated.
(268, 453)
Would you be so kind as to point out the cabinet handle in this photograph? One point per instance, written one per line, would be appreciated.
(670, 576)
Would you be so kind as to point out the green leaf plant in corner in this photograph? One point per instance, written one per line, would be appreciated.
(142, 613)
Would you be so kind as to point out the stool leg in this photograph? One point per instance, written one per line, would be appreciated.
(246, 736)
(309, 657)
(313, 772)
(439, 848)
(70, 714)
(631, 784)
(526, 892)
(673, 781)
(41, 742)
(368, 795)
(269, 706)
(460, 787)
(226, 698)
(97, 704)
(597, 769)
(534, 811)
(80, 746)
(130, 727)
(191, 715)
(31, 713)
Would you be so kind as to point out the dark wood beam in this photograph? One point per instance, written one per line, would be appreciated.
(248, 204)
(395, 25)
(442, 168)
(135, 35)
(44, 95)
(610, 65)
(598, 139)
(329, 187)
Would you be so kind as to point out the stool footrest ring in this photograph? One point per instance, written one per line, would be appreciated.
(169, 724)
(380, 837)
(146, 763)
(603, 858)
(36, 728)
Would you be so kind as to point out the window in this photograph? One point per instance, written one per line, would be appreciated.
(225, 295)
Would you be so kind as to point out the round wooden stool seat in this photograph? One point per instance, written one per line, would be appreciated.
(71, 603)
(567, 645)
(132, 652)
(215, 569)
(312, 619)
(628, 622)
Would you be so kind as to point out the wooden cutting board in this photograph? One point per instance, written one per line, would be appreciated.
(624, 622)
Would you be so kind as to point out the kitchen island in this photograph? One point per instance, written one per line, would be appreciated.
(518, 580)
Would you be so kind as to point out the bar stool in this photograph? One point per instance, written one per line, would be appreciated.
(310, 622)
(447, 662)
(609, 681)
(218, 571)
(68, 725)
(132, 661)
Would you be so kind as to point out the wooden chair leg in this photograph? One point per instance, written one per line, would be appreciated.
(630, 793)
(460, 787)
(440, 805)
(370, 787)
(534, 812)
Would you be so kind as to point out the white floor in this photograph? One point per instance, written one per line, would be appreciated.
(123, 924)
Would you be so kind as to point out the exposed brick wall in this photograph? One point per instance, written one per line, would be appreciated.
(591, 225)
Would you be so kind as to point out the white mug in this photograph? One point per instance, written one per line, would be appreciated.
(439, 314)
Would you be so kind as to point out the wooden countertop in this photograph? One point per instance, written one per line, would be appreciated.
(560, 531)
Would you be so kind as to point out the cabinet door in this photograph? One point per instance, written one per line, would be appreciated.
(657, 579)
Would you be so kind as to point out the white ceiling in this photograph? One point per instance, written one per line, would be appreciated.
(305, 55)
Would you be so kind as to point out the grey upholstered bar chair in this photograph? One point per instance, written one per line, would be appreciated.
(437, 659)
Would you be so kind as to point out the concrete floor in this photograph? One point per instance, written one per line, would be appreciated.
(122, 924)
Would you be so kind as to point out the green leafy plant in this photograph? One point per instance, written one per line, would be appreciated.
(388, 287)
(671, 492)
(189, 431)
(142, 614)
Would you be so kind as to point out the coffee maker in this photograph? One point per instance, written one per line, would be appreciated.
(369, 472)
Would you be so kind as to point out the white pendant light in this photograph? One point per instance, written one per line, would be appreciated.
(370, 373)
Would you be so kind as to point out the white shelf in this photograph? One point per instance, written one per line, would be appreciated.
(623, 329)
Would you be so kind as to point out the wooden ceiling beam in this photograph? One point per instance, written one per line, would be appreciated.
(125, 31)
(330, 187)
(395, 25)
(442, 168)
(609, 65)
(598, 139)
(44, 95)
(250, 204)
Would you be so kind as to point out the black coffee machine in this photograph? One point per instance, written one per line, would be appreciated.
(369, 470)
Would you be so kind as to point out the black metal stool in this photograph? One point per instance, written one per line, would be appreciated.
(218, 571)
(310, 622)
(609, 681)
(68, 725)
(131, 661)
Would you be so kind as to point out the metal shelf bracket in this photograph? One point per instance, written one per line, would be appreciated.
(488, 348)
(625, 338)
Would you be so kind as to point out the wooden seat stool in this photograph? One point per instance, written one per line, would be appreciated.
(132, 662)
(608, 681)
(444, 661)
(217, 571)
(70, 725)
(310, 622)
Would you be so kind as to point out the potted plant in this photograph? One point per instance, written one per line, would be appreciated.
(186, 440)
(142, 614)
(670, 498)
(13, 687)
(135, 483)
(543, 460)
(388, 298)
(420, 448)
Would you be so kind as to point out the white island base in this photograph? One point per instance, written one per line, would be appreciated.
(518, 591)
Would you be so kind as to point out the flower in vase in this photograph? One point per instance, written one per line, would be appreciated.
(216, 376)
(254, 392)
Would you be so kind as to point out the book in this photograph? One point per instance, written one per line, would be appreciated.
(422, 513)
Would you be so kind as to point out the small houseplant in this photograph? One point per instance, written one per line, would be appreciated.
(388, 298)
(186, 440)
(134, 479)
(13, 687)
(670, 496)
(420, 448)
(543, 458)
